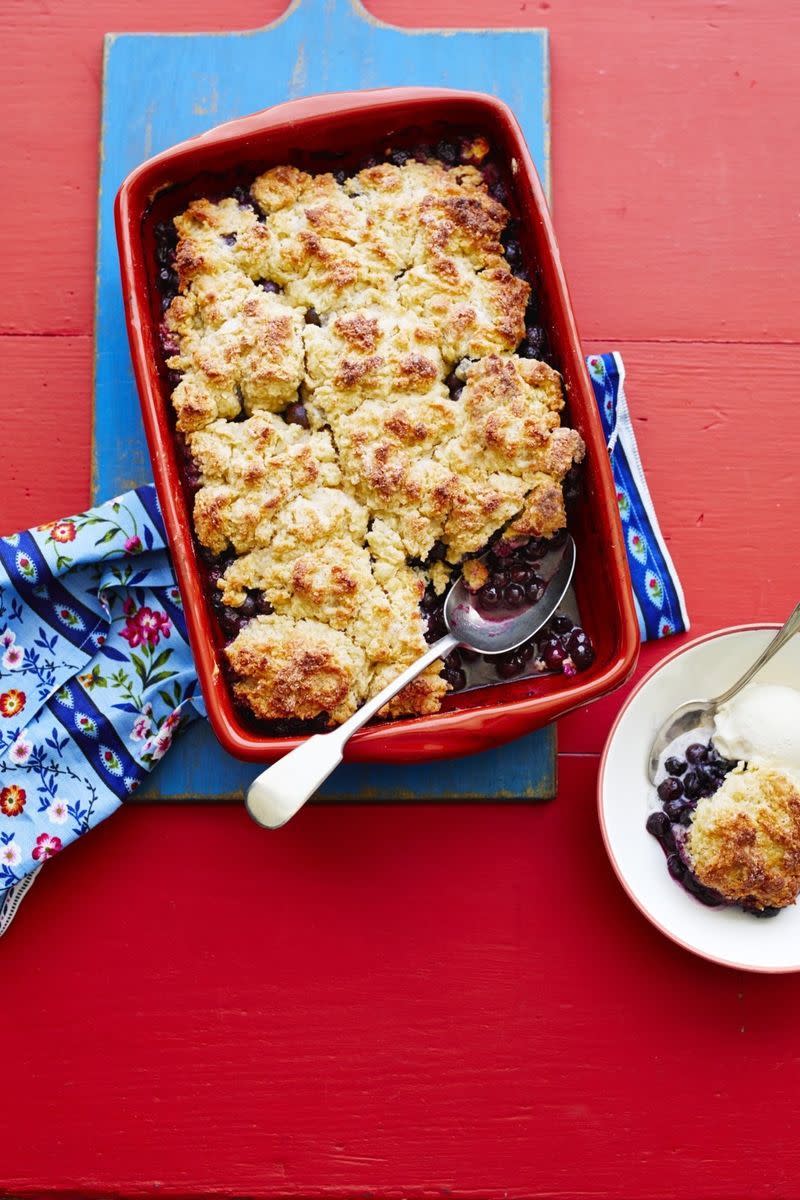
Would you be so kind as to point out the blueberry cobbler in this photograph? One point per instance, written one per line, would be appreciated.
(361, 394)
(730, 828)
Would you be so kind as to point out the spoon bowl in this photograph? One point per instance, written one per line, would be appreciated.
(504, 629)
(696, 713)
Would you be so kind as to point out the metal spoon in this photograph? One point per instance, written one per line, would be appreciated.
(696, 713)
(280, 791)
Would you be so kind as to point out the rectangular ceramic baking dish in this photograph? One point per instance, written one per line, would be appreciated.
(325, 133)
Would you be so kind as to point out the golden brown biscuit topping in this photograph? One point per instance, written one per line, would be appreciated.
(350, 397)
(744, 841)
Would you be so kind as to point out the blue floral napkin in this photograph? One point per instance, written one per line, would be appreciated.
(96, 677)
(96, 674)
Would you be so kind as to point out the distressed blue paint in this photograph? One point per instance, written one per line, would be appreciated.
(160, 89)
(524, 770)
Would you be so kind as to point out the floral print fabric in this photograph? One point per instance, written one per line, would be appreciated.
(96, 675)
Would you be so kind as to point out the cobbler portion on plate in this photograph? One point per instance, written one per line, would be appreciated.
(730, 830)
(363, 405)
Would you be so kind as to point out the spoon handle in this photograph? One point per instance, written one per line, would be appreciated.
(367, 711)
(280, 791)
(788, 630)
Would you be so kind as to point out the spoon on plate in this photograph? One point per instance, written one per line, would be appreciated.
(280, 791)
(695, 713)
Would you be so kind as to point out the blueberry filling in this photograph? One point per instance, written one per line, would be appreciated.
(296, 414)
(696, 773)
(561, 646)
(454, 385)
(245, 200)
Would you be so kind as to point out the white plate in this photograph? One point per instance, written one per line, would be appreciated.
(702, 668)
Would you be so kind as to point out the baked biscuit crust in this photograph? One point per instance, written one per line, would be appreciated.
(744, 841)
(350, 398)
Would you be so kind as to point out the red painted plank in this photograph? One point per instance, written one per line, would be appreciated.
(675, 177)
(449, 1003)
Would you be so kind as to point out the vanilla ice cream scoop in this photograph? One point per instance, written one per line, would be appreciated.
(761, 725)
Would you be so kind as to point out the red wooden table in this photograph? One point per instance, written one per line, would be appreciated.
(429, 1001)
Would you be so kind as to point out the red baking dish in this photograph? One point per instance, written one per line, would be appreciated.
(351, 126)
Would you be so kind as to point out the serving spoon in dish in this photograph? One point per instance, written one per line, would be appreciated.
(693, 714)
(280, 791)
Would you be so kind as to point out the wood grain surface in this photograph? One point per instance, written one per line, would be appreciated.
(429, 1002)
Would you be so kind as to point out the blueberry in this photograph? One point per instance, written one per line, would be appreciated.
(510, 665)
(582, 656)
(429, 601)
(229, 239)
(707, 779)
(249, 606)
(436, 626)
(578, 642)
(701, 892)
(696, 753)
(658, 824)
(521, 574)
(296, 414)
(399, 158)
(669, 789)
(561, 623)
(679, 811)
(340, 176)
(571, 486)
(692, 787)
(269, 285)
(513, 251)
(245, 200)
(675, 766)
(761, 912)
(534, 550)
(676, 868)
(502, 549)
(230, 621)
(263, 605)
(312, 317)
(454, 385)
(514, 595)
(534, 590)
(501, 578)
(553, 654)
(447, 152)
(489, 596)
(455, 677)
(534, 342)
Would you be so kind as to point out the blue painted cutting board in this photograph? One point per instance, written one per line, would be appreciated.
(160, 89)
